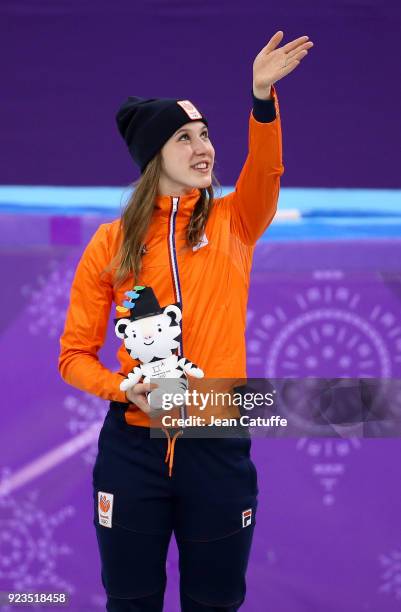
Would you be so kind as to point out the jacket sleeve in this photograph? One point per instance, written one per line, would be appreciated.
(253, 204)
(86, 324)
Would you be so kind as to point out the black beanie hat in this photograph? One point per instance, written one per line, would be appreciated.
(147, 123)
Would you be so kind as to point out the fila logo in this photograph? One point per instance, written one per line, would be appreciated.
(190, 109)
(105, 508)
(203, 242)
(246, 517)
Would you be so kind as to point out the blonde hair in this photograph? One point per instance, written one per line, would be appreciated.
(137, 215)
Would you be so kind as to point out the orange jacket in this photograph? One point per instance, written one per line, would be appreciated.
(211, 282)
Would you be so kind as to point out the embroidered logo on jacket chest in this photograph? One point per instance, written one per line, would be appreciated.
(202, 243)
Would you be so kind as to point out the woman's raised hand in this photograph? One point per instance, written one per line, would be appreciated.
(273, 63)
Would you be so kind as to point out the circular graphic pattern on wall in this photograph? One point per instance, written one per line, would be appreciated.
(325, 332)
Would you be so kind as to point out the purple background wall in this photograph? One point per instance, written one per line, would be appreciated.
(328, 536)
(68, 65)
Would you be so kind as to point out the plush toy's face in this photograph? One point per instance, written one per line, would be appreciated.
(151, 337)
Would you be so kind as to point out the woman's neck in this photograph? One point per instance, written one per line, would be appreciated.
(177, 193)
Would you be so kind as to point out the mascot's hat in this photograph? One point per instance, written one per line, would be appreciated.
(142, 303)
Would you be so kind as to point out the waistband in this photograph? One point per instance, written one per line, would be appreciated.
(117, 411)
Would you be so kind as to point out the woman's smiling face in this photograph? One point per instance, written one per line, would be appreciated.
(188, 147)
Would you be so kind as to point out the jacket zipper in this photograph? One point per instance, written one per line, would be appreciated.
(176, 278)
(173, 256)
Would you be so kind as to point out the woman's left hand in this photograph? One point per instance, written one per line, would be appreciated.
(272, 63)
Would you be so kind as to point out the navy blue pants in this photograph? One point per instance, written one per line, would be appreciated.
(209, 502)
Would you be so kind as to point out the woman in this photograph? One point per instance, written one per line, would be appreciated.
(194, 250)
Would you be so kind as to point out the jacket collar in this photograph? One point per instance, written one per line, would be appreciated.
(186, 203)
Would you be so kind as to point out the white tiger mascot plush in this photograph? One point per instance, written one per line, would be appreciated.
(151, 334)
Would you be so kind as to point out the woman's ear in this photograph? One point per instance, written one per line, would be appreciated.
(120, 325)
